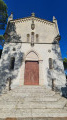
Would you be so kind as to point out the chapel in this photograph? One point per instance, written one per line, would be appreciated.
(32, 78)
(31, 53)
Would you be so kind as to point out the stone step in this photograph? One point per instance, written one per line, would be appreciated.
(56, 97)
(33, 113)
(49, 113)
(59, 104)
(32, 88)
(29, 94)
(28, 90)
(31, 91)
(39, 104)
(51, 93)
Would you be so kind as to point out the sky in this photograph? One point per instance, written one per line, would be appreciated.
(45, 9)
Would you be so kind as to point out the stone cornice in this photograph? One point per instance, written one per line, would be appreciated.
(30, 18)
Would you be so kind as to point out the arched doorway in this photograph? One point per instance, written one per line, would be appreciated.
(31, 75)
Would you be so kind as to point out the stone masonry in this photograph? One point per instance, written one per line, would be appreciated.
(33, 41)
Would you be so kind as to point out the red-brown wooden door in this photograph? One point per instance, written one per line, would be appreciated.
(31, 76)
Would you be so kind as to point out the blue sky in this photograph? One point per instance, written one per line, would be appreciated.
(45, 9)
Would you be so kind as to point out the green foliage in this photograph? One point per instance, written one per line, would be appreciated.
(1, 37)
(3, 14)
(65, 63)
(2, 40)
(65, 60)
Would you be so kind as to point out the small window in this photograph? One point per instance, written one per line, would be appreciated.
(50, 63)
(28, 37)
(12, 63)
(37, 37)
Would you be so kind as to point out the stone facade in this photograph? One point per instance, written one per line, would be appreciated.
(32, 39)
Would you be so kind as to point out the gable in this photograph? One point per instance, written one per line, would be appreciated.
(19, 29)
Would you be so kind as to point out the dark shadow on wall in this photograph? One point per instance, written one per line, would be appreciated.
(11, 34)
(57, 67)
(49, 76)
(57, 52)
(5, 71)
(64, 91)
(55, 49)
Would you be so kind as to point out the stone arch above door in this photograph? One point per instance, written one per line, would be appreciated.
(32, 56)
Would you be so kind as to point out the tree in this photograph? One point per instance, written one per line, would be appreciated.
(1, 37)
(1, 40)
(3, 14)
(3, 21)
(65, 63)
(1, 44)
(65, 66)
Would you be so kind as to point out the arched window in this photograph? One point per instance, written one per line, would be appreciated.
(12, 63)
(28, 37)
(53, 84)
(50, 63)
(37, 37)
(32, 38)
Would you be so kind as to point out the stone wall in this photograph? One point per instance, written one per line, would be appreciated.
(43, 52)
(17, 46)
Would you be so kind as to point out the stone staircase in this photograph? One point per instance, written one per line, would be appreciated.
(32, 102)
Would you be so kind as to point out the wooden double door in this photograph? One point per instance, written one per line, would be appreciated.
(31, 76)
